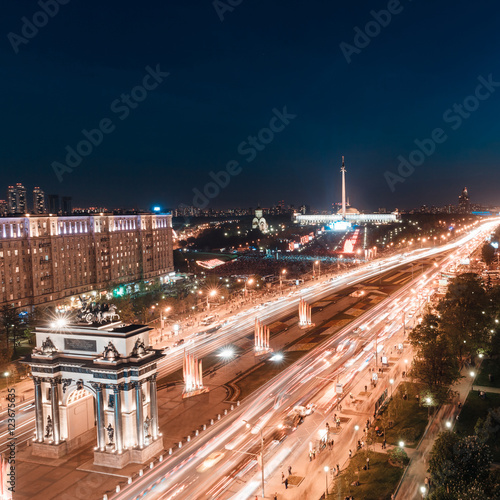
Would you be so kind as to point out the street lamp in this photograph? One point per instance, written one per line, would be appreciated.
(249, 426)
(356, 429)
(448, 424)
(401, 444)
(282, 274)
(6, 375)
(318, 263)
(391, 381)
(423, 490)
(406, 366)
(326, 469)
(212, 293)
(249, 281)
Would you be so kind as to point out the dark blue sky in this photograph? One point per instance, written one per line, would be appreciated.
(225, 80)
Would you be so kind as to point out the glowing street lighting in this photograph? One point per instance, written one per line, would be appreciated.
(327, 470)
(448, 424)
(401, 444)
(248, 426)
(277, 357)
(227, 353)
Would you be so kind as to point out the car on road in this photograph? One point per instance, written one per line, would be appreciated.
(178, 343)
(210, 461)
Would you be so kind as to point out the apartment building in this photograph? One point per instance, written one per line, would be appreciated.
(47, 258)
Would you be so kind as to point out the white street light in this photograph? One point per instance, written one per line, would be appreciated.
(326, 469)
(248, 426)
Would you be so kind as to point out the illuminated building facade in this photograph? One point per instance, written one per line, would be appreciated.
(47, 258)
(96, 385)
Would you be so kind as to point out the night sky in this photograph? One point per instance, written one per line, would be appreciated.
(227, 79)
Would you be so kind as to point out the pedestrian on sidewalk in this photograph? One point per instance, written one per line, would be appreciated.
(350, 453)
(275, 496)
(282, 477)
(368, 463)
(286, 484)
(338, 469)
(289, 470)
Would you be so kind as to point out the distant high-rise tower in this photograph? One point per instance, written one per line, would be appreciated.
(54, 204)
(67, 205)
(12, 199)
(16, 199)
(38, 201)
(22, 202)
(464, 202)
(4, 208)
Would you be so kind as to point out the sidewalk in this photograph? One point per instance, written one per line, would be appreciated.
(417, 470)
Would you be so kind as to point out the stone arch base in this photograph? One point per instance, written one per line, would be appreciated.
(135, 456)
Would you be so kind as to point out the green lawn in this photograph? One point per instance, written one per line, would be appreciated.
(474, 408)
(409, 418)
(489, 366)
(378, 483)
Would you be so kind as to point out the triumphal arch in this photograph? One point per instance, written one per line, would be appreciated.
(96, 384)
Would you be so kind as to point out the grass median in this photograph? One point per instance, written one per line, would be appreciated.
(403, 419)
(376, 483)
(489, 367)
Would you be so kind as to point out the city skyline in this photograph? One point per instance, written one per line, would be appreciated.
(373, 98)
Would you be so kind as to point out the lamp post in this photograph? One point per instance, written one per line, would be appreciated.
(472, 374)
(248, 425)
(162, 321)
(428, 400)
(212, 293)
(317, 263)
(249, 281)
(6, 375)
(326, 469)
(282, 274)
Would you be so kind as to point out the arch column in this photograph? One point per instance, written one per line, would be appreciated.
(139, 417)
(118, 418)
(153, 403)
(101, 430)
(38, 409)
(54, 400)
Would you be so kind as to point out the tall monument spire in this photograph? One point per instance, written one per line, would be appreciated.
(343, 188)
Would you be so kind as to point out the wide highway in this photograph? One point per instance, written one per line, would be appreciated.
(214, 464)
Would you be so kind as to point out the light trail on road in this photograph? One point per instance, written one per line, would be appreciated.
(179, 476)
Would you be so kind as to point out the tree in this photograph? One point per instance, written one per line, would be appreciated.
(11, 326)
(434, 363)
(463, 315)
(126, 311)
(487, 430)
(488, 253)
(458, 461)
